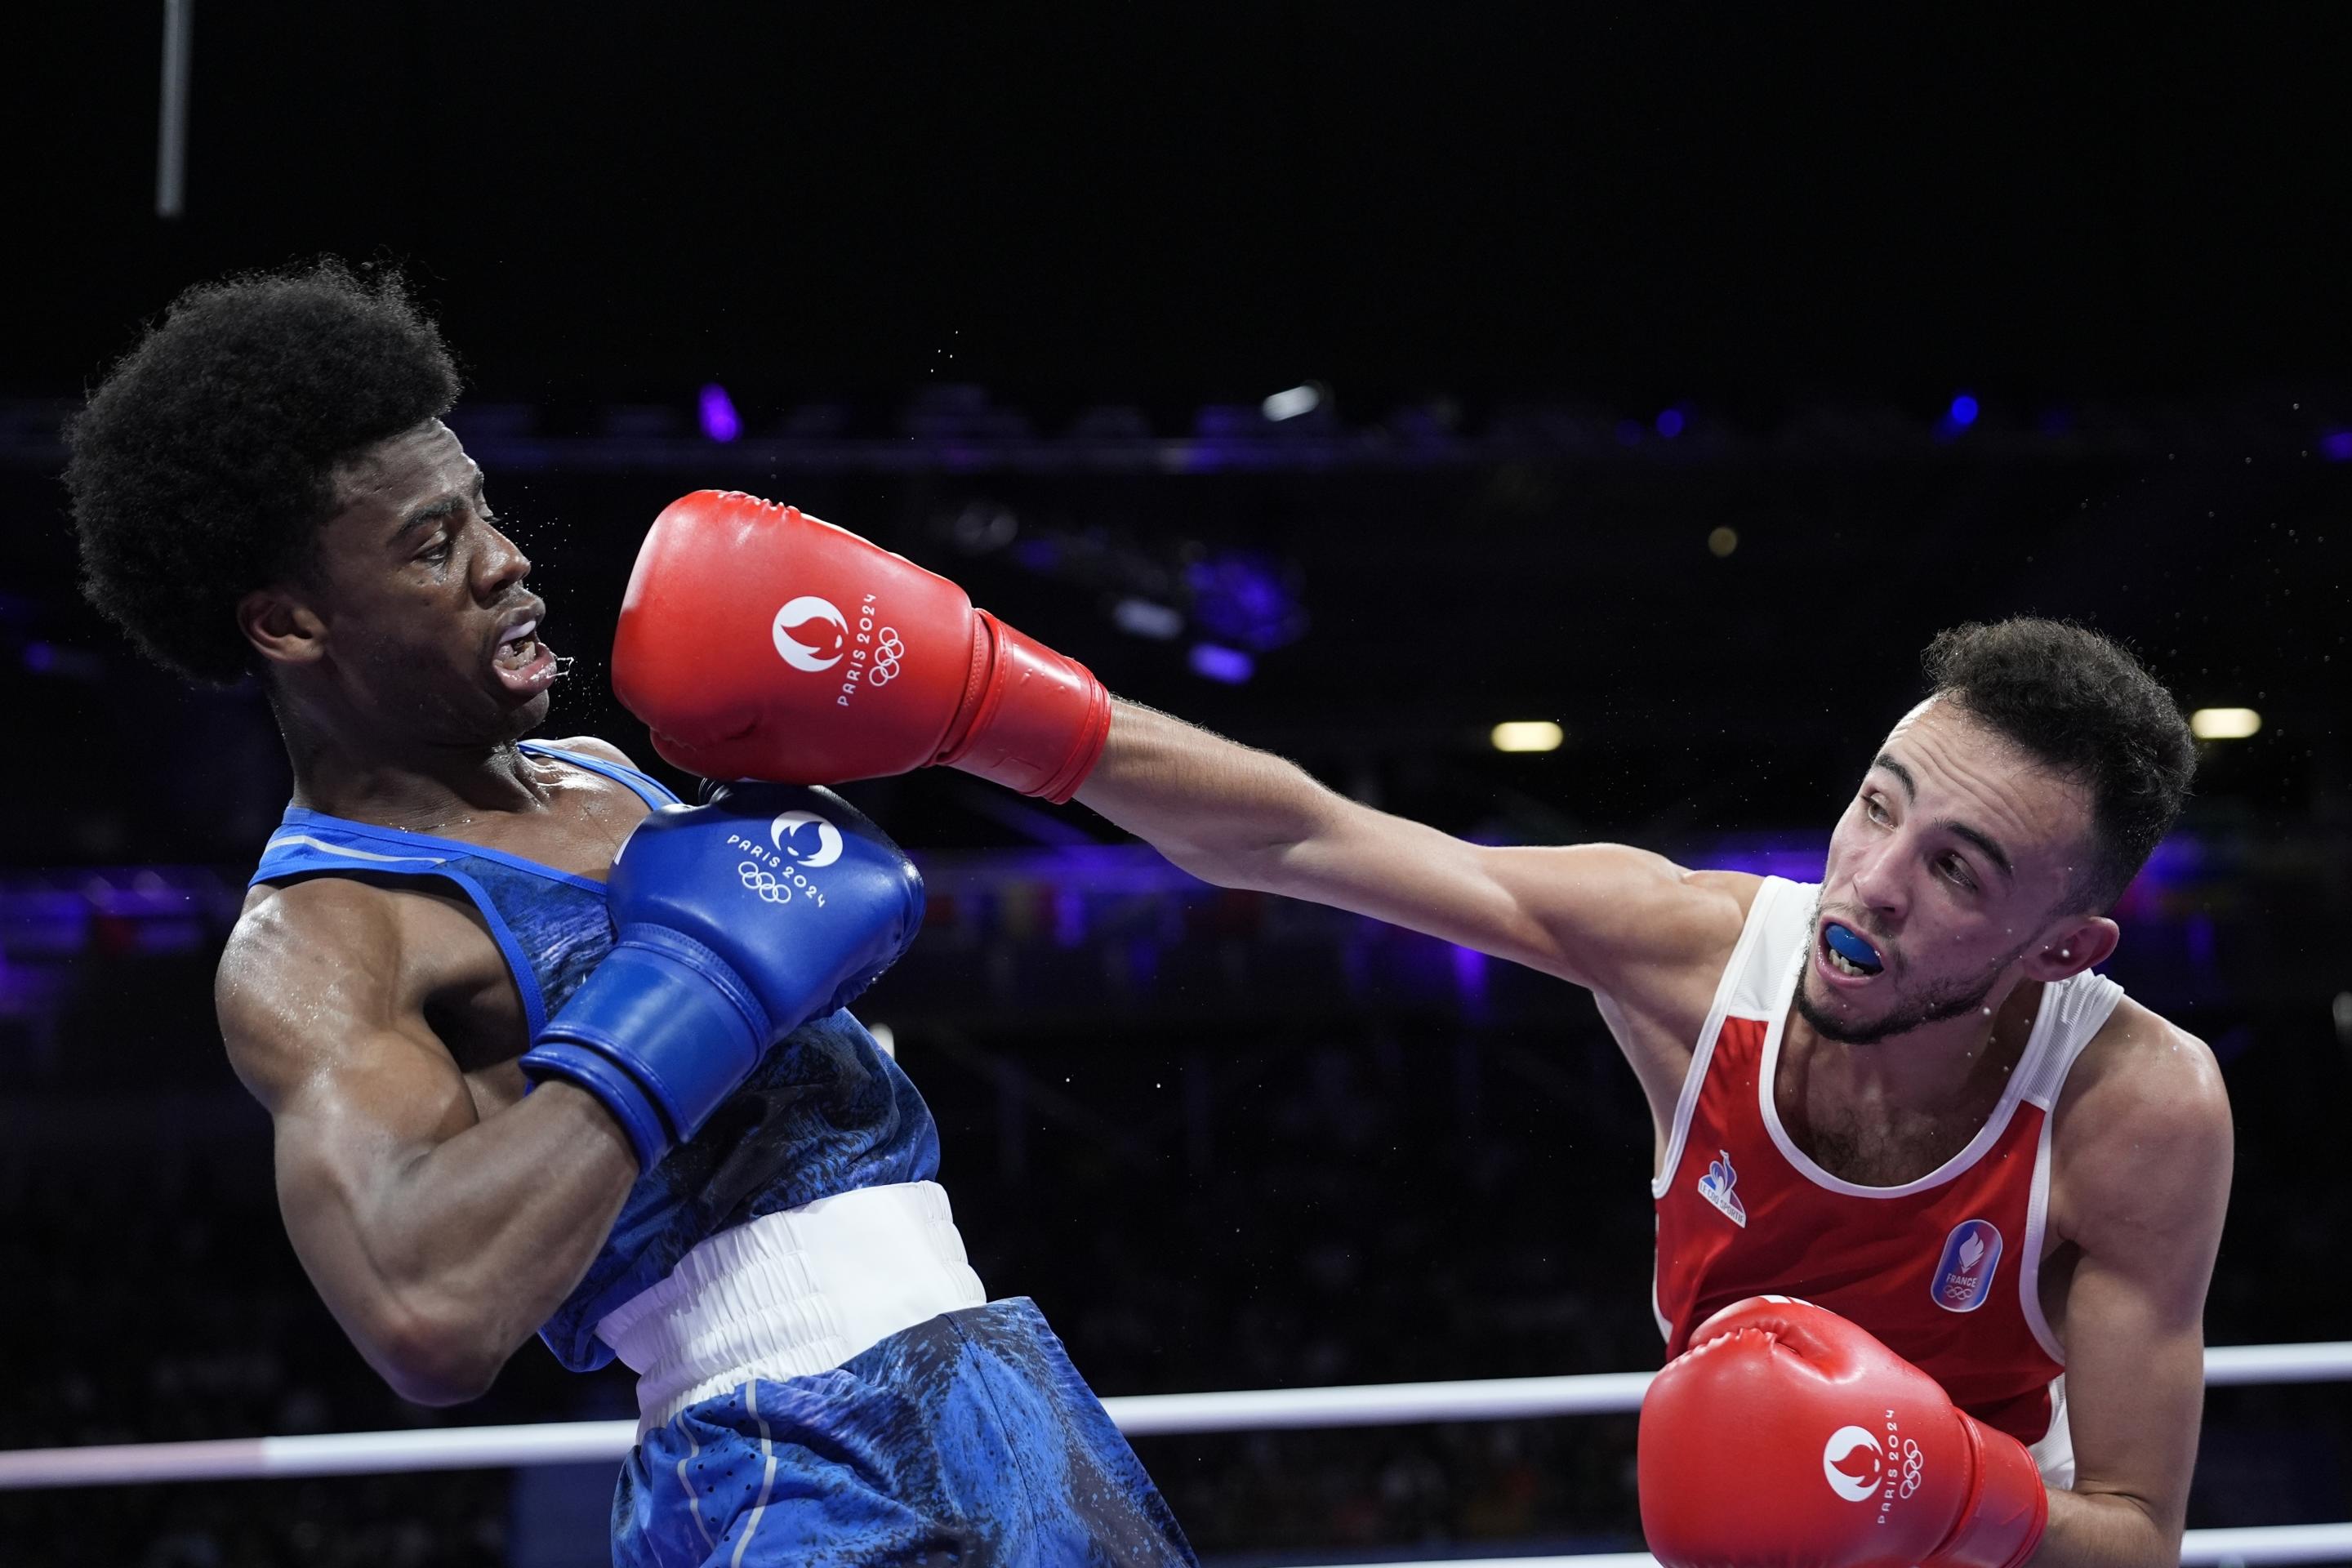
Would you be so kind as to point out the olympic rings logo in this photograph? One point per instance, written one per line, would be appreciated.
(887, 651)
(1914, 1462)
(757, 880)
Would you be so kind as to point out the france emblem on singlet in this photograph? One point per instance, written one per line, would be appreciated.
(1964, 1274)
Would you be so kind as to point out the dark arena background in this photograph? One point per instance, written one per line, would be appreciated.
(1352, 379)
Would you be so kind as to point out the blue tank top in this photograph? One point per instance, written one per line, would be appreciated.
(824, 1112)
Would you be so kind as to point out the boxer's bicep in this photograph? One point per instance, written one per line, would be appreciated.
(2134, 1387)
(2148, 1167)
(311, 999)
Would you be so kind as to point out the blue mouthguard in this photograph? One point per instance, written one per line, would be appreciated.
(1852, 948)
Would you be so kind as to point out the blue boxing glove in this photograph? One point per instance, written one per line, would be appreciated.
(738, 921)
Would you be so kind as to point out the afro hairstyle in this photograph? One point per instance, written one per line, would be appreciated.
(205, 465)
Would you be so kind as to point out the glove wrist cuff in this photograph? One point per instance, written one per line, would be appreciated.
(640, 1119)
(675, 1025)
(1038, 718)
(2007, 1506)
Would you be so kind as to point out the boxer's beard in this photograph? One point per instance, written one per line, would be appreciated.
(1938, 1003)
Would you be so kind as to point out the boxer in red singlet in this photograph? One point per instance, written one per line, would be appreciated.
(1962, 1139)
(1903, 1094)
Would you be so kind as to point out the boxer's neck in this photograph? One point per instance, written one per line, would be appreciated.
(402, 782)
(1928, 1068)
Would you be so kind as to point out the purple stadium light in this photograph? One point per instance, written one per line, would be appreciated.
(1797, 856)
(1670, 423)
(1470, 976)
(1963, 411)
(1229, 665)
(1243, 597)
(720, 421)
(2336, 445)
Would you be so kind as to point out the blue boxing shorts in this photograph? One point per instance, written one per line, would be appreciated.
(967, 1439)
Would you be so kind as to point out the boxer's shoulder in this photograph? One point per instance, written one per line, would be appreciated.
(604, 750)
(1619, 898)
(1674, 931)
(1722, 900)
(2141, 1135)
(305, 963)
(329, 956)
(2141, 1064)
(288, 927)
(340, 1013)
(1679, 926)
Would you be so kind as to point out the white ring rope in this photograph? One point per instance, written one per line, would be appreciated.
(1137, 1415)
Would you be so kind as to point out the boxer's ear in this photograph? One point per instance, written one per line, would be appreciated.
(2072, 950)
(285, 629)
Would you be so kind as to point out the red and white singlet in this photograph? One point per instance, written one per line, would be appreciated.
(1946, 1270)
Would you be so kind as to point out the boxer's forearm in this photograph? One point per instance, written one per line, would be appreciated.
(2102, 1530)
(1223, 811)
(457, 1257)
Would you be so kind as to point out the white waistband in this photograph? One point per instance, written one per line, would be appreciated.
(793, 1293)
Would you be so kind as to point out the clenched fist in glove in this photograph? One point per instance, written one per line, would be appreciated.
(757, 642)
(1787, 1436)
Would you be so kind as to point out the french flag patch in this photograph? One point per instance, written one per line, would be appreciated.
(1964, 1274)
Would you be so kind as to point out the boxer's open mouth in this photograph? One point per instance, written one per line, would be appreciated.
(518, 647)
(523, 663)
(1849, 953)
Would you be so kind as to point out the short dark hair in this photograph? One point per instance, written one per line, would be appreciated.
(2082, 704)
(204, 466)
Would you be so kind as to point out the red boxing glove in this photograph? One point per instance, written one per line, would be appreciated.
(757, 642)
(1788, 1436)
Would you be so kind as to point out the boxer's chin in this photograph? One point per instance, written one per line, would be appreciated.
(1834, 1017)
(527, 715)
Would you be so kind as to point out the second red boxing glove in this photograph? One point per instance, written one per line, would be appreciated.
(758, 642)
(1788, 1438)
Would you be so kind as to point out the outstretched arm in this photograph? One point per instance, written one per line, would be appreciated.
(1599, 915)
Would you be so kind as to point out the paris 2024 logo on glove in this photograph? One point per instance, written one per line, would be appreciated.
(778, 876)
(1856, 1465)
(812, 635)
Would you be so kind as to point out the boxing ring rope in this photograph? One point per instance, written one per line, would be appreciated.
(1139, 1415)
